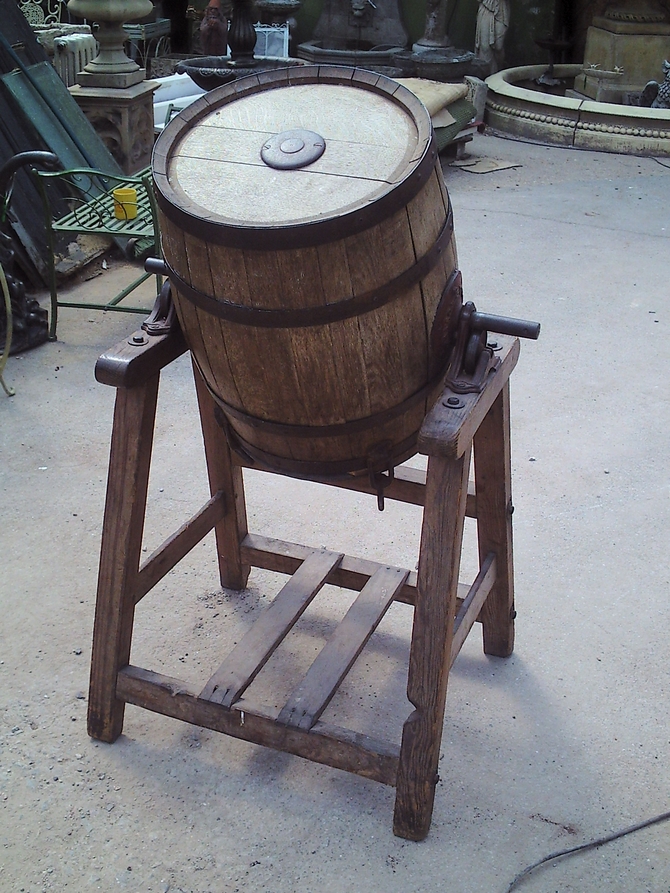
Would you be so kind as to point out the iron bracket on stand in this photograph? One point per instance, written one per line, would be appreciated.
(473, 356)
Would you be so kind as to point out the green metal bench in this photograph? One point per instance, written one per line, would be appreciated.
(92, 211)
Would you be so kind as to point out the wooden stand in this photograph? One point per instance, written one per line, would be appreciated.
(442, 619)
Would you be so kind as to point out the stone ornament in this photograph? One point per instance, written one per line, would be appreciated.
(655, 95)
(492, 25)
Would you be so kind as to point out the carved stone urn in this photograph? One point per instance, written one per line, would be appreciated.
(111, 67)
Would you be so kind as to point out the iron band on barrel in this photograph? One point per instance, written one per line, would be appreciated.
(309, 469)
(324, 314)
(356, 426)
(193, 219)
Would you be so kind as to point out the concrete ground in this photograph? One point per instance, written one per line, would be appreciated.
(565, 741)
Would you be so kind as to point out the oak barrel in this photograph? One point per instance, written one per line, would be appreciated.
(309, 240)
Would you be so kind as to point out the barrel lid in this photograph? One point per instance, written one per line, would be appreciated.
(293, 157)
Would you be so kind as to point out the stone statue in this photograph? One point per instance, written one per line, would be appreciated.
(492, 23)
(214, 30)
(655, 95)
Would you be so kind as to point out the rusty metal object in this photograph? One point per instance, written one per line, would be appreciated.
(473, 358)
(163, 316)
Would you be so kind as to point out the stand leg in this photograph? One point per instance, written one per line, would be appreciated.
(224, 475)
(493, 484)
(432, 633)
(123, 525)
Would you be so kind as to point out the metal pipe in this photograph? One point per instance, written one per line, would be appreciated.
(156, 265)
(504, 325)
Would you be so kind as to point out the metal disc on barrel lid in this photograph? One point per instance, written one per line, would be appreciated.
(293, 157)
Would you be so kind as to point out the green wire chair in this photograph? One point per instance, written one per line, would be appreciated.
(92, 211)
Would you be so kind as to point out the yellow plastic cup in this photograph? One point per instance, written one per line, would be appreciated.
(125, 203)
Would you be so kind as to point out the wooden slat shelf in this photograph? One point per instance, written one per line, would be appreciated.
(325, 743)
(308, 701)
(351, 573)
(248, 658)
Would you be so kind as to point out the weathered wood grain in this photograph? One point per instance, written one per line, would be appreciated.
(226, 477)
(434, 614)
(311, 697)
(493, 476)
(123, 525)
(352, 573)
(468, 610)
(333, 746)
(250, 655)
(408, 485)
(179, 544)
(449, 432)
(126, 365)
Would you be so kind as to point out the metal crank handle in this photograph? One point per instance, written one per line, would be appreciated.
(156, 265)
(504, 325)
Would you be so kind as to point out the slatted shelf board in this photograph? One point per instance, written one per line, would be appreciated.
(297, 728)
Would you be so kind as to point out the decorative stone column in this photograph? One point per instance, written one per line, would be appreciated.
(112, 90)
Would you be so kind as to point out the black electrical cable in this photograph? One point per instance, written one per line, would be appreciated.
(586, 846)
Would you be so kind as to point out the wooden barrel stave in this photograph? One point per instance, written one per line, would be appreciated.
(372, 365)
(173, 246)
(218, 370)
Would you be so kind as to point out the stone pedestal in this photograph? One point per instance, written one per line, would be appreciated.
(632, 37)
(124, 120)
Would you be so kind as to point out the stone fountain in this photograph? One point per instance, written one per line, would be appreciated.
(360, 33)
(370, 34)
(595, 105)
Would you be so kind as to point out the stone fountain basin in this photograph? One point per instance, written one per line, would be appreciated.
(209, 72)
(562, 120)
(357, 53)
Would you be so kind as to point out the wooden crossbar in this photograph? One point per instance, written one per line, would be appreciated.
(352, 573)
(468, 610)
(177, 546)
(408, 484)
(247, 659)
(308, 701)
(327, 744)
